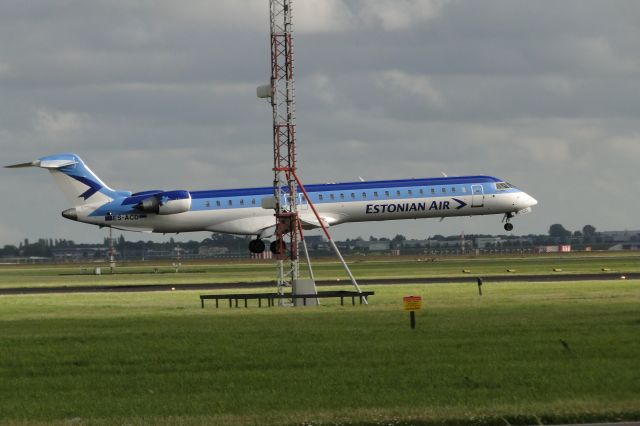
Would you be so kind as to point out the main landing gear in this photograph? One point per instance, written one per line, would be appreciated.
(278, 247)
(508, 226)
(257, 246)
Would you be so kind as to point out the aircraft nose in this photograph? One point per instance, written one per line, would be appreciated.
(530, 200)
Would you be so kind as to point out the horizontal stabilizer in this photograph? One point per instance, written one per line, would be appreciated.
(55, 164)
(16, 166)
(45, 164)
(78, 183)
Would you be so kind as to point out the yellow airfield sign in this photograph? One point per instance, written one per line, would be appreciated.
(412, 303)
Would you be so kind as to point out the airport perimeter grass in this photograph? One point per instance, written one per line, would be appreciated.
(157, 358)
(238, 271)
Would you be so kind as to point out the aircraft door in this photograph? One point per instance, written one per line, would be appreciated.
(477, 196)
(303, 205)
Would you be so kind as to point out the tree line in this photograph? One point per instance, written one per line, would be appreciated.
(45, 247)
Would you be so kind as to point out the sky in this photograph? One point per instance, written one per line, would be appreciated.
(161, 94)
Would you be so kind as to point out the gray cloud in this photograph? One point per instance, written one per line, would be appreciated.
(161, 94)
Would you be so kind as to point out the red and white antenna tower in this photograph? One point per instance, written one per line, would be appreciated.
(283, 104)
(288, 190)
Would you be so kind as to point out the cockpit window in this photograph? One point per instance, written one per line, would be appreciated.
(501, 186)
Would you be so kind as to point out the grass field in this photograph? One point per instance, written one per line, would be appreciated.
(217, 272)
(157, 358)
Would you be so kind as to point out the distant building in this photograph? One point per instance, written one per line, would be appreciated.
(625, 246)
(317, 243)
(562, 248)
(267, 254)
(483, 242)
(73, 254)
(373, 245)
(211, 251)
(314, 239)
(436, 244)
(619, 236)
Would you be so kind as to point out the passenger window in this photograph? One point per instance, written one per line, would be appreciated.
(320, 197)
(386, 193)
(375, 194)
(230, 202)
(444, 190)
(242, 202)
(409, 192)
(353, 195)
(341, 196)
(433, 190)
(207, 204)
(421, 191)
(453, 189)
(398, 193)
(364, 195)
(217, 203)
(332, 196)
(253, 201)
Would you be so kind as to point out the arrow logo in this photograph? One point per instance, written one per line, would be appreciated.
(93, 186)
(461, 203)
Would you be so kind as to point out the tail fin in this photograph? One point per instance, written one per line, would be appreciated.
(78, 183)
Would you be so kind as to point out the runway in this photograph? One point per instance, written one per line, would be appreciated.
(471, 279)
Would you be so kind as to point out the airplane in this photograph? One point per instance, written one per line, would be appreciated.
(249, 211)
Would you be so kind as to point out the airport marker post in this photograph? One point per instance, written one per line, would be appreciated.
(412, 304)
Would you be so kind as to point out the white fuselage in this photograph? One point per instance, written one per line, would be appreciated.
(250, 211)
(246, 216)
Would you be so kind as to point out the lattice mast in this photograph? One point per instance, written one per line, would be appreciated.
(286, 183)
(284, 141)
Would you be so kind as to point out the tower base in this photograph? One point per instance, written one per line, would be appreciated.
(305, 287)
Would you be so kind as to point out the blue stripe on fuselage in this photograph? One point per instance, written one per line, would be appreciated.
(208, 200)
(342, 192)
(347, 186)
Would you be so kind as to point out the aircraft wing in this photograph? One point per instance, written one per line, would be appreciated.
(310, 221)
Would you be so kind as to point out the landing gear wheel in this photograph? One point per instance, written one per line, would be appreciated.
(278, 247)
(508, 226)
(256, 246)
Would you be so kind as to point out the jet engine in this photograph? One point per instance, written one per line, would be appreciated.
(168, 202)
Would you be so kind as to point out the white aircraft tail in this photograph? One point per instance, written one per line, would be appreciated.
(78, 183)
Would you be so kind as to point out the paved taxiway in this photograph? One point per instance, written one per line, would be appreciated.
(488, 279)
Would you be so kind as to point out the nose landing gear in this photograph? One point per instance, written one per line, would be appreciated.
(508, 226)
